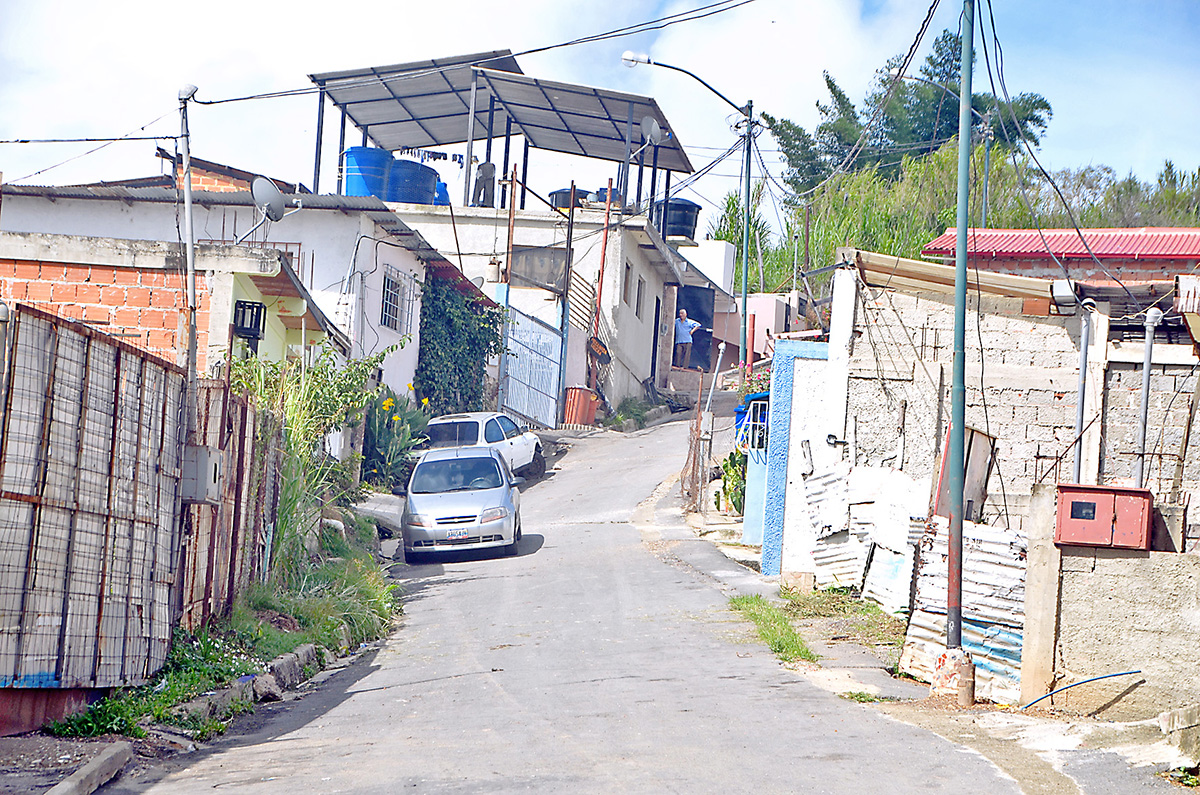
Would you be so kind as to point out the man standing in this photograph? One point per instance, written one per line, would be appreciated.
(683, 339)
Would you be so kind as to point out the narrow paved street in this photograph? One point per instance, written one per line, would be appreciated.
(586, 664)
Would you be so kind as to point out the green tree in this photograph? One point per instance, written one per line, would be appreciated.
(908, 118)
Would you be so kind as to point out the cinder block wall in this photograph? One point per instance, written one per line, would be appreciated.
(1124, 610)
(148, 305)
(1171, 389)
(1024, 395)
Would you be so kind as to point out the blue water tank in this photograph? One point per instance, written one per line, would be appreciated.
(412, 182)
(442, 197)
(681, 218)
(367, 171)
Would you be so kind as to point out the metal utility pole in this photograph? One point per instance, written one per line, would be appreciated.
(958, 392)
(185, 95)
(631, 59)
(748, 144)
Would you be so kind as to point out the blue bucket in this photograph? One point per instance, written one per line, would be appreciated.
(367, 171)
(443, 195)
(412, 182)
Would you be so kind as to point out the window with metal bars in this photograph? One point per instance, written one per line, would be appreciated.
(398, 294)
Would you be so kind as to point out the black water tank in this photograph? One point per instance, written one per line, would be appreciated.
(562, 198)
(681, 218)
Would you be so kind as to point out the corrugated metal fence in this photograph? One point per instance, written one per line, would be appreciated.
(227, 546)
(89, 472)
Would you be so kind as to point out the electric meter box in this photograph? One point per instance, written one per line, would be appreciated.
(201, 480)
(1104, 516)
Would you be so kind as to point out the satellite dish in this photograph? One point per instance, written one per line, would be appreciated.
(477, 281)
(270, 203)
(268, 198)
(651, 132)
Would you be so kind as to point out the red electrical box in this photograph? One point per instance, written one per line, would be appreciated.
(1104, 516)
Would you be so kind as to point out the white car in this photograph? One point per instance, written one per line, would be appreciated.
(521, 448)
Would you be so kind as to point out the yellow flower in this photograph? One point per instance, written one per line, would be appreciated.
(387, 404)
(410, 387)
(424, 401)
(395, 418)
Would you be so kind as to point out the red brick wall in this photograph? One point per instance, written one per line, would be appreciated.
(149, 304)
(211, 181)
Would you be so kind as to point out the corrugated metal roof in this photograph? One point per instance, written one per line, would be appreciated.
(428, 103)
(1146, 243)
(417, 104)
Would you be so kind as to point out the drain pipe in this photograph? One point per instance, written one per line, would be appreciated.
(1153, 317)
(1087, 306)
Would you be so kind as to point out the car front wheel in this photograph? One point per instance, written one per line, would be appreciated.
(512, 549)
(537, 467)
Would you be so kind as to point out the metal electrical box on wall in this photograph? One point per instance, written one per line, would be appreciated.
(201, 481)
(1104, 516)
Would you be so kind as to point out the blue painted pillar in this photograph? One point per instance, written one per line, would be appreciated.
(783, 372)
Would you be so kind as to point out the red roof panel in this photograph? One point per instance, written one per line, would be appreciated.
(1146, 243)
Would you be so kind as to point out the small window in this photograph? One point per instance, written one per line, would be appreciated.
(510, 427)
(625, 284)
(641, 292)
(397, 300)
(492, 432)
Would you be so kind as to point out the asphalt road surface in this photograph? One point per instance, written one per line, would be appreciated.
(587, 664)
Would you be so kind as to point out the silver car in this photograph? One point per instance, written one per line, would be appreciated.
(461, 498)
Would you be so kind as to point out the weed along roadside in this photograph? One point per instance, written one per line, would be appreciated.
(275, 641)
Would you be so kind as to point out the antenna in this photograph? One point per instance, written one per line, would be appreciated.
(270, 202)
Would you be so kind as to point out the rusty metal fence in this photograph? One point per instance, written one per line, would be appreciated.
(90, 454)
(227, 546)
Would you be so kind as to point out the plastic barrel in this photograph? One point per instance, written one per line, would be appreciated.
(367, 171)
(681, 218)
(412, 183)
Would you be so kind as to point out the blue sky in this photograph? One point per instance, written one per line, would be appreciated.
(1121, 76)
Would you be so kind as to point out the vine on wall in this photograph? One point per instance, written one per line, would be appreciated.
(457, 339)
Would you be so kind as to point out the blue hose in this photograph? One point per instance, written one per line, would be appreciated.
(1084, 682)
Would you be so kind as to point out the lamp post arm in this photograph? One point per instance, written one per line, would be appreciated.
(949, 93)
(703, 82)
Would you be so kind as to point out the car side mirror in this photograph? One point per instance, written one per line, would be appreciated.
(518, 480)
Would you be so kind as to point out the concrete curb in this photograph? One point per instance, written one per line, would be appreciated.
(95, 773)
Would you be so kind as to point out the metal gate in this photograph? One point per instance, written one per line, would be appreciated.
(530, 368)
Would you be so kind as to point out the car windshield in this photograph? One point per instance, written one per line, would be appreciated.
(455, 474)
(453, 434)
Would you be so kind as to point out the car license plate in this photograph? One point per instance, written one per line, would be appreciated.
(457, 535)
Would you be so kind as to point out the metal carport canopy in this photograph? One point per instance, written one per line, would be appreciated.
(580, 120)
(427, 103)
(419, 104)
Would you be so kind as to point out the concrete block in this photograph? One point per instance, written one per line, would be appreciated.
(96, 773)
(266, 688)
(801, 581)
(306, 654)
(286, 670)
(328, 658)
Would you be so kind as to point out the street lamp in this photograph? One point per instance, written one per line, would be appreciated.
(632, 59)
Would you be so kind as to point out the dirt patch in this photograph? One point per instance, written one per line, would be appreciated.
(280, 621)
(36, 762)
